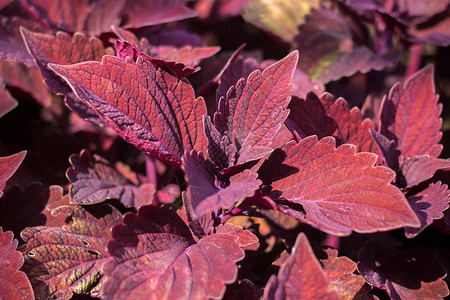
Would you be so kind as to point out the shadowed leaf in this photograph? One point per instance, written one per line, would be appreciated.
(14, 283)
(420, 168)
(300, 277)
(94, 180)
(67, 260)
(149, 108)
(207, 194)
(404, 274)
(428, 205)
(340, 190)
(155, 256)
(7, 102)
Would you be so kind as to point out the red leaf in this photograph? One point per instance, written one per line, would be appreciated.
(149, 108)
(15, 284)
(187, 55)
(350, 126)
(67, 260)
(154, 256)
(254, 110)
(7, 102)
(428, 205)
(340, 190)
(300, 277)
(63, 49)
(94, 180)
(206, 194)
(420, 168)
(340, 274)
(410, 115)
(8, 166)
(404, 274)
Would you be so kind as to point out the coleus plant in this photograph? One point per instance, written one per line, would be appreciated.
(250, 170)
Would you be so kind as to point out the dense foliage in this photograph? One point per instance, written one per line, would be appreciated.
(241, 149)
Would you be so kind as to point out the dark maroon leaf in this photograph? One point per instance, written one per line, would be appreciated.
(94, 180)
(437, 34)
(406, 274)
(7, 102)
(326, 40)
(252, 112)
(155, 256)
(67, 260)
(244, 289)
(8, 166)
(420, 168)
(15, 284)
(428, 205)
(4, 3)
(388, 149)
(145, 13)
(340, 190)
(207, 194)
(410, 116)
(300, 277)
(220, 149)
(149, 108)
(340, 273)
(102, 15)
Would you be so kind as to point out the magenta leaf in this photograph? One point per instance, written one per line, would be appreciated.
(207, 194)
(420, 168)
(149, 108)
(300, 277)
(428, 205)
(15, 284)
(326, 40)
(404, 274)
(8, 166)
(94, 180)
(341, 190)
(410, 116)
(253, 111)
(67, 260)
(155, 256)
(340, 273)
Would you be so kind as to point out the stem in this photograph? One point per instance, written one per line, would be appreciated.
(415, 57)
(332, 241)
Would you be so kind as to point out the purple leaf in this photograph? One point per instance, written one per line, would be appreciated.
(300, 277)
(220, 149)
(94, 180)
(326, 40)
(410, 116)
(388, 149)
(254, 110)
(200, 226)
(155, 256)
(215, 10)
(405, 274)
(15, 284)
(149, 108)
(340, 190)
(437, 33)
(428, 205)
(8, 166)
(67, 260)
(207, 194)
(420, 168)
